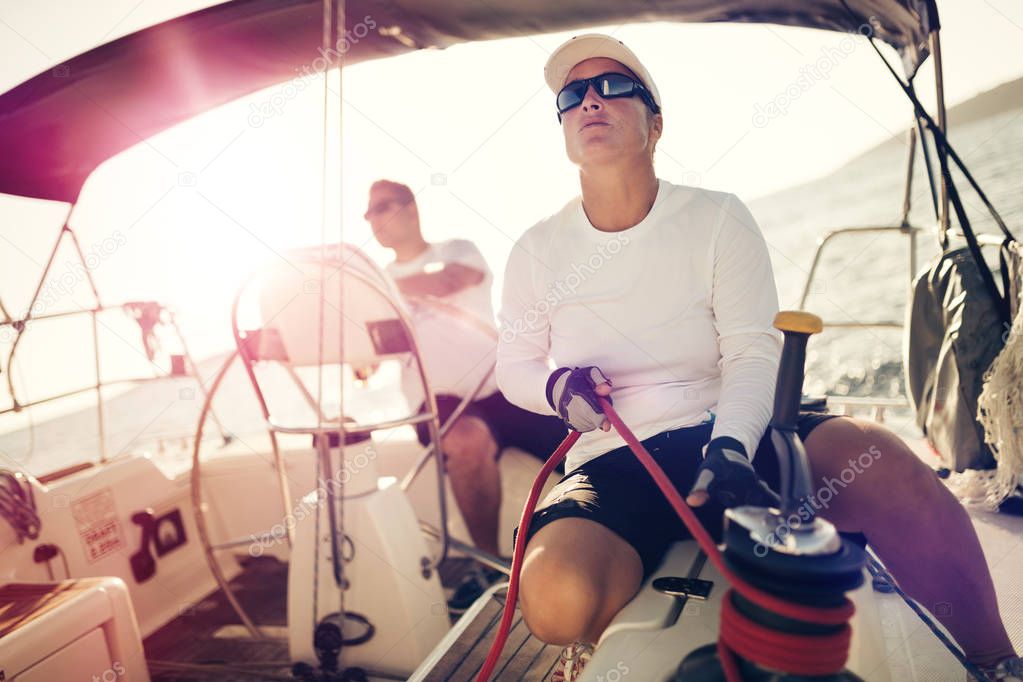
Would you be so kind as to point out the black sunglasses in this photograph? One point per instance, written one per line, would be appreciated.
(381, 207)
(608, 86)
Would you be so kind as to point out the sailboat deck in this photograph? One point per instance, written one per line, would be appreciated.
(525, 658)
(196, 636)
(208, 632)
(206, 642)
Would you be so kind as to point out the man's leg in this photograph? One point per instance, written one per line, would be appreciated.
(869, 481)
(475, 478)
(576, 576)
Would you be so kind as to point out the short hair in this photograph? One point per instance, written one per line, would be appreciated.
(403, 192)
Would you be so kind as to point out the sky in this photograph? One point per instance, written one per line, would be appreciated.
(184, 216)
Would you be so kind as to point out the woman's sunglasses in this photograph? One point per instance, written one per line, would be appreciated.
(608, 86)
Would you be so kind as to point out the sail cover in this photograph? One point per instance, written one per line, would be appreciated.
(58, 126)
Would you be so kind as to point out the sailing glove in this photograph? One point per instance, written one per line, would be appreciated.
(727, 477)
(571, 392)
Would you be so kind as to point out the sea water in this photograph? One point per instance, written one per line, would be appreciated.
(865, 278)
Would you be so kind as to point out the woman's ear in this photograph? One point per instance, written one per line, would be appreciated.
(657, 124)
(656, 128)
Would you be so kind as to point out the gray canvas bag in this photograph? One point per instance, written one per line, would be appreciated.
(954, 332)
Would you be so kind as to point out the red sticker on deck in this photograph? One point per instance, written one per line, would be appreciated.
(98, 526)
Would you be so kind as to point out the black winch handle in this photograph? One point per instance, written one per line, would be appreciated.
(797, 326)
(793, 465)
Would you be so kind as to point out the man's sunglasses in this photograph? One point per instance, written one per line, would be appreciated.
(608, 86)
(381, 206)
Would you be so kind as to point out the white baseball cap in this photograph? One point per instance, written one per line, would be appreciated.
(589, 46)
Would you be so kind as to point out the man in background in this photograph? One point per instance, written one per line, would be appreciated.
(458, 349)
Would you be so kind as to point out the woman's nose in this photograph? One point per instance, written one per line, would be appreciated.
(591, 100)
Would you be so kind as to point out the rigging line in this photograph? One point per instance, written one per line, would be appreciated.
(6, 315)
(1001, 302)
(878, 569)
(931, 180)
(941, 141)
(318, 439)
(339, 25)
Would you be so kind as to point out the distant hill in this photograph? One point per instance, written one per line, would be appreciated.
(1005, 97)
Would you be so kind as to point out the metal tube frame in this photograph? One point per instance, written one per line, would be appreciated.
(20, 326)
(429, 417)
(198, 507)
(19, 405)
(822, 241)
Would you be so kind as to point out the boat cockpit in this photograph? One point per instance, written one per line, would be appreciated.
(322, 544)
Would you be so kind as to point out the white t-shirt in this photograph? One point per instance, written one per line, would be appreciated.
(456, 354)
(677, 311)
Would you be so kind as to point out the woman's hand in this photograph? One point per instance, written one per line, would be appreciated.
(727, 476)
(573, 394)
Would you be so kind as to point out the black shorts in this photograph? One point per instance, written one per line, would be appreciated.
(510, 425)
(617, 492)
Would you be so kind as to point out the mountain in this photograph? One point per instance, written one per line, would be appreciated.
(1005, 97)
(998, 100)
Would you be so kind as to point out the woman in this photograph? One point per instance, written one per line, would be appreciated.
(662, 298)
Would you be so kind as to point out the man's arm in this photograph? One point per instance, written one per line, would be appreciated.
(450, 279)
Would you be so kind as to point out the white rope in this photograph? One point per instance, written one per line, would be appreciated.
(1000, 411)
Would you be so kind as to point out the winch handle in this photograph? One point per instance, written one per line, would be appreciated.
(793, 465)
(797, 326)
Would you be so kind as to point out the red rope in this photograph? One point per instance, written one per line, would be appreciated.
(797, 654)
(520, 549)
(792, 653)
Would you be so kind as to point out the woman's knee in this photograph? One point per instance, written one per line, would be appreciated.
(576, 575)
(559, 595)
(862, 467)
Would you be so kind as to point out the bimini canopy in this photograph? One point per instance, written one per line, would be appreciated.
(58, 126)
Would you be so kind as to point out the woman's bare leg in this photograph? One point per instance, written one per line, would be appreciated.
(871, 482)
(576, 576)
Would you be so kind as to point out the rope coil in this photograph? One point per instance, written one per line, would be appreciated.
(798, 654)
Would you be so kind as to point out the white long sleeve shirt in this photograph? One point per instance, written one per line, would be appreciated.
(456, 355)
(677, 311)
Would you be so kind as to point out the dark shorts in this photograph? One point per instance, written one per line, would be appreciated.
(510, 425)
(617, 492)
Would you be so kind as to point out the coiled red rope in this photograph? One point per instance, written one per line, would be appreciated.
(797, 654)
